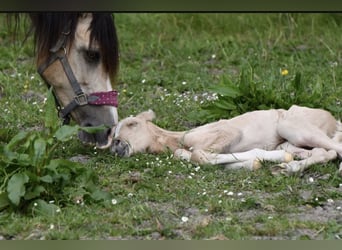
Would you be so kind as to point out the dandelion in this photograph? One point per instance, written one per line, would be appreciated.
(239, 194)
(114, 201)
(130, 195)
(213, 56)
(143, 81)
(311, 180)
(184, 219)
(58, 210)
(52, 226)
(284, 72)
(184, 82)
(230, 193)
(35, 204)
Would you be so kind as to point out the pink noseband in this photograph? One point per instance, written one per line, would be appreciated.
(104, 98)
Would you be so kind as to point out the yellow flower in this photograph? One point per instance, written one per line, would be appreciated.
(284, 72)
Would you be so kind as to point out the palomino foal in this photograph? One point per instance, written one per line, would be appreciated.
(311, 135)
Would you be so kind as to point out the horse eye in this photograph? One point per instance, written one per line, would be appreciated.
(92, 56)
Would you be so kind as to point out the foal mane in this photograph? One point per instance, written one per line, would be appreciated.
(47, 28)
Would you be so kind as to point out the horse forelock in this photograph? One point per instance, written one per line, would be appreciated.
(48, 27)
(103, 31)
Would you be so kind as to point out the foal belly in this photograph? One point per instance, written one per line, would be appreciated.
(258, 130)
(259, 140)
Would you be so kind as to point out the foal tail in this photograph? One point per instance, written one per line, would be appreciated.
(338, 133)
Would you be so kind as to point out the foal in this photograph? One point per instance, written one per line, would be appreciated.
(311, 135)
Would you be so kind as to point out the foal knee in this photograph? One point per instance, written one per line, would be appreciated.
(199, 156)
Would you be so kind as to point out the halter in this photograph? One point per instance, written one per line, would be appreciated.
(59, 52)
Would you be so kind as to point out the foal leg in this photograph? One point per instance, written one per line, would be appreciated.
(303, 134)
(250, 159)
(317, 155)
(297, 152)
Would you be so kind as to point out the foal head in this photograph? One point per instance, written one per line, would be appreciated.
(89, 44)
(133, 135)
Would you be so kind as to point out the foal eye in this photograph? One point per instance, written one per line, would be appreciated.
(92, 56)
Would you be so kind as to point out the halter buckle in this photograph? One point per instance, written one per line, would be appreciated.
(81, 99)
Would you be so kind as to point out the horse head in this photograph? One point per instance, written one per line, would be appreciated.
(77, 55)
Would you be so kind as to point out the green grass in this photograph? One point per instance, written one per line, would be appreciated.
(168, 63)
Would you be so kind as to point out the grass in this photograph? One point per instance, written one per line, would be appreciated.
(168, 63)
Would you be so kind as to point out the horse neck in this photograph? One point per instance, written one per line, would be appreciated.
(165, 139)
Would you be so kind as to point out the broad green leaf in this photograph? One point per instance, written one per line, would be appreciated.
(92, 130)
(98, 195)
(41, 207)
(6, 134)
(37, 190)
(226, 105)
(18, 138)
(39, 150)
(225, 90)
(65, 132)
(46, 178)
(51, 120)
(16, 187)
(4, 201)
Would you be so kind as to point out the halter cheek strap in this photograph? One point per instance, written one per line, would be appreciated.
(80, 99)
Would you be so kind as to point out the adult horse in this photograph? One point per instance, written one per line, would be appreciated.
(77, 55)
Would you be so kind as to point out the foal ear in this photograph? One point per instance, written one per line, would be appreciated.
(147, 115)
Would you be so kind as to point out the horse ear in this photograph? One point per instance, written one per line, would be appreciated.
(147, 115)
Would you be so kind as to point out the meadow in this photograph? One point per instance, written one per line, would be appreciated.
(190, 69)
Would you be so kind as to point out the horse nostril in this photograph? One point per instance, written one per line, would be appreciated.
(109, 132)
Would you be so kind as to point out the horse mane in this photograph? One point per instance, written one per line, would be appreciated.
(47, 28)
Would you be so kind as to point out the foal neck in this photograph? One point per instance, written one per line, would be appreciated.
(165, 139)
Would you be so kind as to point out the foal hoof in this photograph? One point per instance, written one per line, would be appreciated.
(182, 154)
(256, 164)
(285, 169)
(280, 168)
